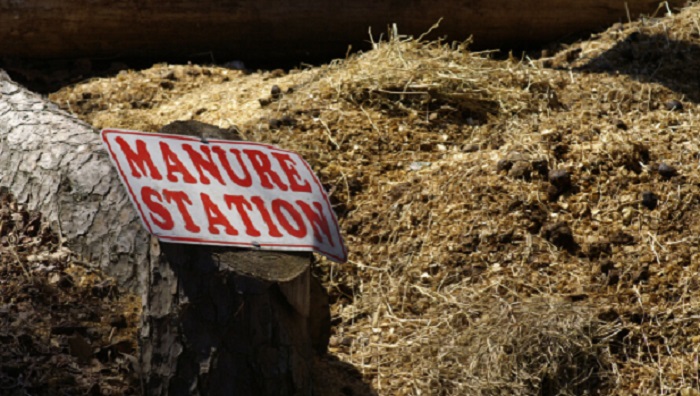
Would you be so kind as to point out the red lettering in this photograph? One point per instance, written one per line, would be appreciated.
(164, 221)
(215, 217)
(289, 168)
(182, 200)
(139, 160)
(277, 206)
(319, 222)
(242, 207)
(263, 167)
(246, 181)
(174, 165)
(202, 164)
(273, 231)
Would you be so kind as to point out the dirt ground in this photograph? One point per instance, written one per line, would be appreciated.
(515, 226)
(64, 328)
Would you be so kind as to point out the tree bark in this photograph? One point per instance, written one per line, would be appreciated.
(206, 329)
(55, 164)
(265, 29)
(213, 332)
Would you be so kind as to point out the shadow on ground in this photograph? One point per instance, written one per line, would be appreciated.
(653, 58)
(333, 377)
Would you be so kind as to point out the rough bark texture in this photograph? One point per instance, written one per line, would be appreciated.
(56, 165)
(213, 332)
(249, 29)
(206, 330)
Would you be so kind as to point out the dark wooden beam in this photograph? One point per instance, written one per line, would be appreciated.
(269, 29)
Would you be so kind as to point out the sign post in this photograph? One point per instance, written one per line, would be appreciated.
(227, 306)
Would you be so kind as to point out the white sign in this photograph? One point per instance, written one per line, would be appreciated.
(220, 192)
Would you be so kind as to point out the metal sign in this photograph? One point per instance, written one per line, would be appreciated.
(220, 192)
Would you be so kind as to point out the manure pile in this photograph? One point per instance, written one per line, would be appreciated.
(514, 226)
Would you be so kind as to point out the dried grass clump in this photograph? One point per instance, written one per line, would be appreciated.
(413, 78)
(533, 347)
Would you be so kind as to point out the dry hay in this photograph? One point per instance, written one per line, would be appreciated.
(503, 234)
(543, 347)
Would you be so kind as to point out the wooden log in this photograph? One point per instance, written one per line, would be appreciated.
(206, 330)
(212, 332)
(55, 164)
(266, 29)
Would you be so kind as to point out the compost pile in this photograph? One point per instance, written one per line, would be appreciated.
(514, 226)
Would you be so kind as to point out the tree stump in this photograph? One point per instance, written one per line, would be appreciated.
(216, 320)
(209, 331)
